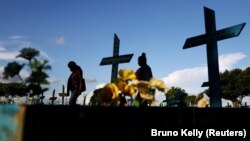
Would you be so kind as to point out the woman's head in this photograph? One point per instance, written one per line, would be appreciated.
(142, 60)
(72, 65)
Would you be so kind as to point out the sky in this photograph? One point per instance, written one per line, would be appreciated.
(83, 31)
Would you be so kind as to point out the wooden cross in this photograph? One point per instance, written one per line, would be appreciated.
(116, 59)
(84, 100)
(210, 38)
(63, 94)
(41, 98)
(53, 98)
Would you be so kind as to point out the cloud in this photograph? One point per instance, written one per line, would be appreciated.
(4, 55)
(17, 37)
(90, 80)
(191, 79)
(227, 61)
(1, 74)
(101, 85)
(15, 42)
(2, 48)
(44, 55)
(15, 46)
(60, 41)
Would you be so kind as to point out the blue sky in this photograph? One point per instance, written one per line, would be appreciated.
(83, 31)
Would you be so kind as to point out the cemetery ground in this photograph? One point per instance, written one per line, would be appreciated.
(76, 123)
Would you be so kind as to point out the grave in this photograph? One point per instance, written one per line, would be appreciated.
(63, 94)
(210, 38)
(53, 98)
(116, 59)
(41, 98)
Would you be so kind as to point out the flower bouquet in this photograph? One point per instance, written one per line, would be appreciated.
(128, 88)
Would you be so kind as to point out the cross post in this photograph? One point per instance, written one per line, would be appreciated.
(63, 94)
(41, 98)
(53, 98)
(210, 38)
(116, 59)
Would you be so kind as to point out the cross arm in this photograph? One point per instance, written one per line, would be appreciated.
(222, 83)
(195, 41)
(118, 59)
(229, 32)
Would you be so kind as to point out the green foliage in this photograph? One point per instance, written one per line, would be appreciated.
(94, 97)
(233, 89)
(236, 84)
(173, 91)
(245, 82)
(192, 100)
(38, 68)
(28, 53)
(176, 97)
(38, 75)
(13, 89)
(12, 69)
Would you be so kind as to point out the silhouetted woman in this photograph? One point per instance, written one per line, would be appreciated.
(144, 73)
(74, 82)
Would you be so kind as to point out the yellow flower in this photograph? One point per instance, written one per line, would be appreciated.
(202, 103)
(144, 91)
(109, 95)
(129, 90)
(127, 74)
(125, 88)
(159, 84)
(121, 84)
(143, 86)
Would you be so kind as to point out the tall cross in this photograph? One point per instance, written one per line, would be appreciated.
(116, 59)
(53, 98)
(210, 38)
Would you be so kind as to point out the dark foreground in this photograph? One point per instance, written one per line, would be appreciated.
(66, 123)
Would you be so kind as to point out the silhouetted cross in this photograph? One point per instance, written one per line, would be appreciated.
(210, 38)
(53, 98)
(63, 94)
(116, 59)
(41, 98)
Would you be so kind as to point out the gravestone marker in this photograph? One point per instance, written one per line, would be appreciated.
(210, 38)
(41, 98)
(116, 59)
(63, 94)
(53, 98)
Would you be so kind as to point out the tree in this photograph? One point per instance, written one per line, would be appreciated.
(28, 53)
(12, 89)
(176, 97)
(38, 68)
(245, 82)
(233, 89)
(94, 97)
(38, 73)
(237, 85)
(191, 100)
(13, 69)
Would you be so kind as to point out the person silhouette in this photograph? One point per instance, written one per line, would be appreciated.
(74, 82)
(144, 73)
